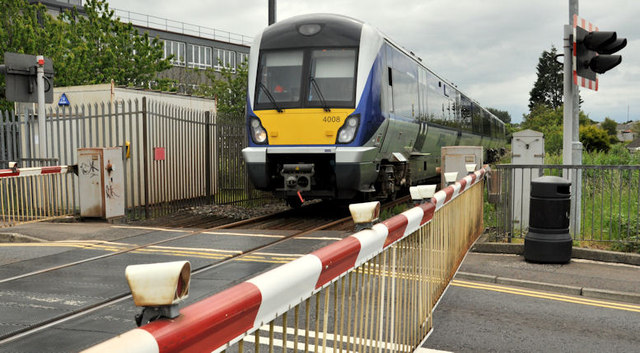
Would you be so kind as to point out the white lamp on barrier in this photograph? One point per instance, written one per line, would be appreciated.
(450, 178)
(158, 288)
(427, 191)
(416, 196)
(470, 168)
(364, 214)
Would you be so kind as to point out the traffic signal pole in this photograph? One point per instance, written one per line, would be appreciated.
(571, 145)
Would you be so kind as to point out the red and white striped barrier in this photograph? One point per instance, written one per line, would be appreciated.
(222, 319)
(23, 172)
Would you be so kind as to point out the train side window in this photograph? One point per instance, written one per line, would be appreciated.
(422, 92)
(486, 124)
(405, 93)
(476, 116)
(465, 113)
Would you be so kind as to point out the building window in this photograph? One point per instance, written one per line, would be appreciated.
(200, 56)
(243, 58)
(225, 58)
(177, 49)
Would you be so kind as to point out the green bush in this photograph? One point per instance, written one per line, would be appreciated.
(594, 138)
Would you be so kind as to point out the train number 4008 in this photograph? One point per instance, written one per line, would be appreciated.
(331, 119)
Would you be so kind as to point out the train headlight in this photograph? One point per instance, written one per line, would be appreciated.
(258, 133)
(347, 132)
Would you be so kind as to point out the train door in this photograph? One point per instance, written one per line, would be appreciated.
(402, 100)
(421, 118)
(387, 98)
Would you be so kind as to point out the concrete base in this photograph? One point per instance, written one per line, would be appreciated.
(548, 248)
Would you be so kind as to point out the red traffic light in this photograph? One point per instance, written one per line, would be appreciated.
(603, 63)
(591, 52)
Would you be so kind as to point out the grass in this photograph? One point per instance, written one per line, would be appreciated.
(617, 155)
(610, 209)
(395, 210)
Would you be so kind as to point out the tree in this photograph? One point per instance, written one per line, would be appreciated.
(25, 29)
(547, 120)
(85, 49)
(594, 138)
(635, 128)
(609, 126)
(501, 114)
(548, 88)
(98, 48)
(229, 88)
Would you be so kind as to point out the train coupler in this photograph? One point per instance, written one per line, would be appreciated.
(297, 177)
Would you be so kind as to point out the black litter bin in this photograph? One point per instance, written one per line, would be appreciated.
(548, 239)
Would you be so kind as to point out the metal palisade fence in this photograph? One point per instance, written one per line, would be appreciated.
(374, 291)
(173, 157)
(609, 210)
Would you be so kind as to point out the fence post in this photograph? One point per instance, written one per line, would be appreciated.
(207, 152)
(145, 157)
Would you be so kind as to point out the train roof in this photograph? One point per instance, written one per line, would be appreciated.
(286, 34)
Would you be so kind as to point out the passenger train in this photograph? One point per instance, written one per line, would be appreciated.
(336, 110)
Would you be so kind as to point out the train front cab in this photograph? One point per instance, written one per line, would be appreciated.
(306, 122)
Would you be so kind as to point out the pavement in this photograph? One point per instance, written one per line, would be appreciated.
(591, 273)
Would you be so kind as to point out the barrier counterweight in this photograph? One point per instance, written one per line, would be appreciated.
(371, 292)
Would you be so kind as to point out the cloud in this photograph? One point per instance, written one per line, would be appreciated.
(490, 49)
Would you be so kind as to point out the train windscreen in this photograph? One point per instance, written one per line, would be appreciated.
(280, 77)
(333, 71)
(311, 78)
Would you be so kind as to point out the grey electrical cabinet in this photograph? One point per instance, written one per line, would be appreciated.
(101, 182)
(456, 159)
(528, 149)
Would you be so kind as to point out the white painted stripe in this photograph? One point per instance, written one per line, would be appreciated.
(285, 286)
(456, 189)
(414, 216)
(429, 350)
(371, 242)
(245, 234)
(38, 170)
(34, 171)
(440, 196)
(154, 228)
(469, 181)
(136, 340)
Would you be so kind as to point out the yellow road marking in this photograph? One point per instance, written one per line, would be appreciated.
(546, 295)
(154, 228)
(204, 253)
(246, 234)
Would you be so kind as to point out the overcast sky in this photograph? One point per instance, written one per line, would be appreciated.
(488, 48)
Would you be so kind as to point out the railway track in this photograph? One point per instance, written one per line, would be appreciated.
(297, 223)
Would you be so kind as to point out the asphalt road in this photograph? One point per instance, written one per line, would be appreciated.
(472, 317)
(27, 301)
(475, 317)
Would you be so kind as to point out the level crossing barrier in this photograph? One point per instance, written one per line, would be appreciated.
(34, 194)
(373, 291)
